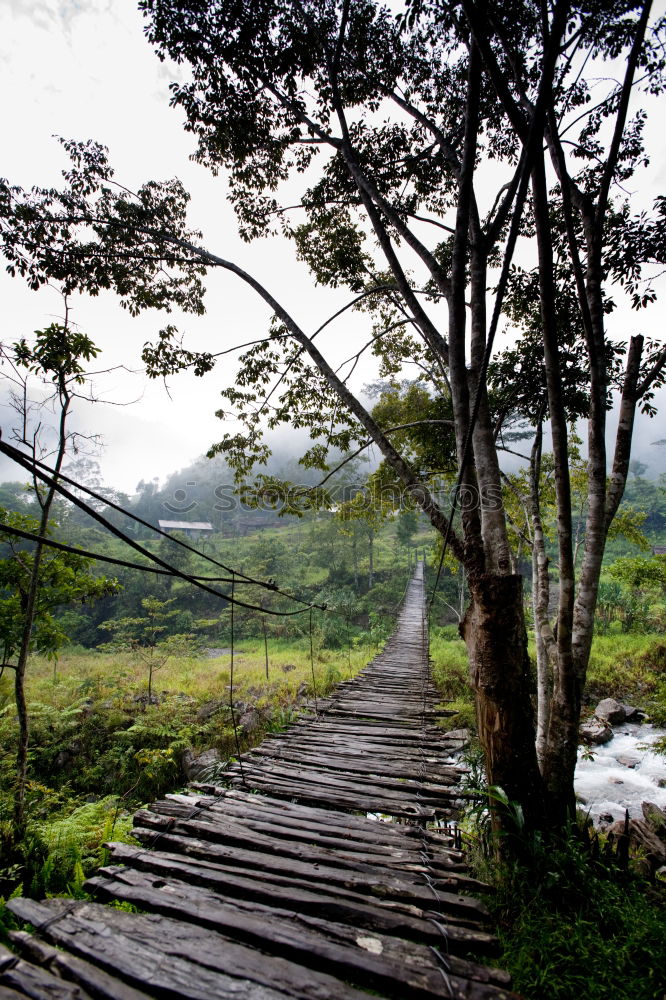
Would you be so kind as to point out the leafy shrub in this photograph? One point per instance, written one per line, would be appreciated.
(573, 927)
(74, 845)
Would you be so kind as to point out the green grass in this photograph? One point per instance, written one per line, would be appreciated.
(98, 750)
(450, 672)
(631, 668)
(119, 677)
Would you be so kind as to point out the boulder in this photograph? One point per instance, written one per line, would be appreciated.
(595, 732)
(63, 759)
(633, 714)
(252, 721)
(457, 734)
(195, 766)
(655, 817)
(611, 710)
(143, 699)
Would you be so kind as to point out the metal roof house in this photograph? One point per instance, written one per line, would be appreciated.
(191, 528)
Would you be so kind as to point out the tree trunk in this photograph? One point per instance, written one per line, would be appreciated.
(496, 639)
(543, 671)
(29, 604)
(546, 646)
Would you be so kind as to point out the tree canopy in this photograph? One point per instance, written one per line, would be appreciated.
(453, 165)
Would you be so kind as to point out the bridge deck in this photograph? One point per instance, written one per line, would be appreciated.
(315, 873)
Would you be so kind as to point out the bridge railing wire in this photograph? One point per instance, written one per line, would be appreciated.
(165, 567)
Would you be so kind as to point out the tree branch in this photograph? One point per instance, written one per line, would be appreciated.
(620, 121)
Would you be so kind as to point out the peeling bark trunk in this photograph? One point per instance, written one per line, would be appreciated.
(559, 755)
(586, 602)
(546, 646)
(494, 632)
(493, 521)
(543, 671)
(474, 556)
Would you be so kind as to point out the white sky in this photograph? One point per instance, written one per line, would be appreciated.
(83, 70)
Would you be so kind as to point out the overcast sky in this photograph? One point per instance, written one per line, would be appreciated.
(84, 70)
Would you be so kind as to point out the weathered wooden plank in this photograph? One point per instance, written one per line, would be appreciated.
(176, 959)
(325, 773)
(389, 832)
(398, 919)
(98, 983)
(373, 840)
(398, 968)
(32, 981)
(381, 884)
(356, 764)
(311, 795)
(285, 841)
(362, 748)
(352, 801)
(255, 834)
(384, 884)
(300, 820)
(389, 791)
(215, 826)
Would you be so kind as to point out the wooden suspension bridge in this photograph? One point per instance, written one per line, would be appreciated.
(320, 871)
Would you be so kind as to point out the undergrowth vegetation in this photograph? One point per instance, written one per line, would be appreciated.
(572, 926)
(571, 921)
(100, 748)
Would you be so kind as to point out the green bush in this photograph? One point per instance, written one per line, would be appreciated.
(571, 926)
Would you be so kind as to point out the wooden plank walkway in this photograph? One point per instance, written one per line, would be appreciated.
(316, 872)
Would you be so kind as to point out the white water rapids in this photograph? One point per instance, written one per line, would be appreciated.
(606, 786)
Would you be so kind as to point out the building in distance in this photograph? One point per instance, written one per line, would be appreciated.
(191, 528)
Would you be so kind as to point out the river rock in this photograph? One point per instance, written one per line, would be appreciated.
(633, 714)
(457, 734)
(196, 765)
(611, 710)
(596, 732)
(656, 818)
(628, 761)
